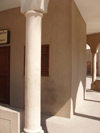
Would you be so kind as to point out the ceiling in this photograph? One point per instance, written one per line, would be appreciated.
(8, 4)
(90, 10)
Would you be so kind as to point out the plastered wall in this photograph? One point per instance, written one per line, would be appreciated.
(11, 120)
(65, 30)
(56, 89)
(66, 59)
(78, 57)
(14, 21)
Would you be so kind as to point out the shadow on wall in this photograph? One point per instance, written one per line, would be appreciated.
(56, 89)
(55, 99)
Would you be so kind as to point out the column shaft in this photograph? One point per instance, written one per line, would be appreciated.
(33, 73)
(93, 67)
(98, 60)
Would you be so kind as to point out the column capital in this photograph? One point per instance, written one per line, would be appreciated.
(32, 12)
(93, 53)
(35, 5)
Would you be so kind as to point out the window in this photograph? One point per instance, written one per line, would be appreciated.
(45, 60)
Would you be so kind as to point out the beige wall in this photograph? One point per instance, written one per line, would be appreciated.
(65, 30)
(88, 55)
(89, 61)
(11, 120)
(14, 21)
(78, 56)
(56, 89)
(67, 56)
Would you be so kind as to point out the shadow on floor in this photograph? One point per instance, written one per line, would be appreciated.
(89, 90)
(87, 116)
(92, 100)
(44, 126)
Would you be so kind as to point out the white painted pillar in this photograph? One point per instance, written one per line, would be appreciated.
(98, 60)
(33, 73)
(93, 67)
(33, 10)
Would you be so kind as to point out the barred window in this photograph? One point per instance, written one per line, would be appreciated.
(45, 60)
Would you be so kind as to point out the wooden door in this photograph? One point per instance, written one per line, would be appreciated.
(4, 74)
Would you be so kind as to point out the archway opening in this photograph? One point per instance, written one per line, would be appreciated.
(92, 65)
(88, 60)
(88, 67)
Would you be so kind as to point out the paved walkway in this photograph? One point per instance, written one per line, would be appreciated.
(86, 119)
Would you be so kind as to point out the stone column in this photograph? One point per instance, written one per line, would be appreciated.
(33, 73)
(93, 67)
(33, 10)
(98, 60)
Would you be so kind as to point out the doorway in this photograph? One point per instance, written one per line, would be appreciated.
(5, 75)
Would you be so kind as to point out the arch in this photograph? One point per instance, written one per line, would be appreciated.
(88, 59)
(98, 46)
(88, 47)
(93, 41)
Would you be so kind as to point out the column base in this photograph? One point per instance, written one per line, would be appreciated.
(95, 85)
(33, 131)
